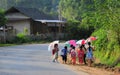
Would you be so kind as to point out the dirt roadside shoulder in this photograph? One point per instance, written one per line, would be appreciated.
(90, 70)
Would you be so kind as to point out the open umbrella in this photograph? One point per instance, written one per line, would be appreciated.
(72, 42)
(67, 44)
(51, 45)
(81, 42)
(91, 38)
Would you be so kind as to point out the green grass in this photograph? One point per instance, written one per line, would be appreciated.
(2, 45)
(38, 42)
(34, 42)
(105, 57)
(118, 65)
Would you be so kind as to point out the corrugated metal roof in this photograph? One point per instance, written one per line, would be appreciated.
(34, 14)
(50, 21)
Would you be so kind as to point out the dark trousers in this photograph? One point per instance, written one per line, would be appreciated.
(64, 58)
(84, 59)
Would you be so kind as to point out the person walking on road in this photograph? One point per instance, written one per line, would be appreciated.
(85, 51)
(69, 54)
(80, 54)
(73, 56)
(55, 53)
(64, 54)
(89, 54)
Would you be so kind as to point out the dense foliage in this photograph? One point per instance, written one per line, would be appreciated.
(2, 18)
(79, 10)
(49, 6)
(102, 18)
(107, 16)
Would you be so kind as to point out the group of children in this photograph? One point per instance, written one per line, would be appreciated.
(80, 52)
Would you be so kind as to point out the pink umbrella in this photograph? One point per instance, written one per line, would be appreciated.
(91, 38)
(72, 42)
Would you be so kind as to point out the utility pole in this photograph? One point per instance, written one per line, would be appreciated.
(4, 35)
(59, 14)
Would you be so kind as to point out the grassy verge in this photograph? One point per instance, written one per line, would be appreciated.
(2, 45)
(37, 42)
(33, 42)
(118, 65)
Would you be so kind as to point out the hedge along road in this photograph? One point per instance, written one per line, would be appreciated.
(31, 59)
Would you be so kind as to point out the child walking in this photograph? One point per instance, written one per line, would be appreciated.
(73, 55)
(55, 53)
(69, 54)
(80, 55)
(64, 54)
(89, 54)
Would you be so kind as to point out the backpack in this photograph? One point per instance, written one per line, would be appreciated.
(53, 51)
(73, 54)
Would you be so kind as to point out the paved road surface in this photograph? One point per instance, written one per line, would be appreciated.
(30, 60)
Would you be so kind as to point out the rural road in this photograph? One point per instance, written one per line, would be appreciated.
(31, 59)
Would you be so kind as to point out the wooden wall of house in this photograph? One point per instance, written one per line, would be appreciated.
(45, 30)
(56, 30)
(39, 28)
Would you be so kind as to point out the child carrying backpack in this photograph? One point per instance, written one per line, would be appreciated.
(73, 55)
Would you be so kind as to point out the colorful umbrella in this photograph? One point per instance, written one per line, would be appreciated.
(51, 45)
(67, 44)
(72, 42)
(91, 38)
(81, 42)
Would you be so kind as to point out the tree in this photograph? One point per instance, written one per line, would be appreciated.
(2, 18)
(70, 9)
(49, 6)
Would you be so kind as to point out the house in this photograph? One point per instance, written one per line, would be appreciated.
(32, 21)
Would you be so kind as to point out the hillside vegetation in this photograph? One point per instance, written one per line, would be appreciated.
(100, 18)
(48, 6)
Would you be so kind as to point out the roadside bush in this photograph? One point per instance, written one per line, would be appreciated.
(21, 38)
(107, 47)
